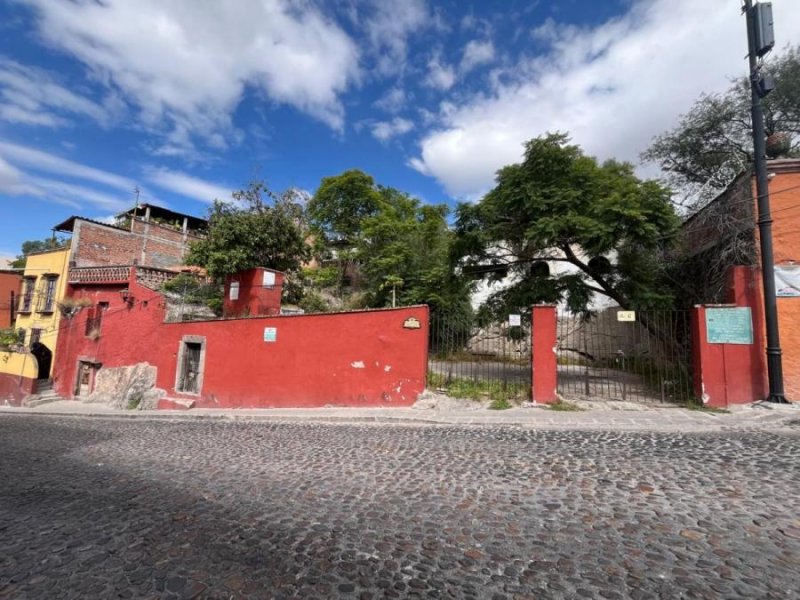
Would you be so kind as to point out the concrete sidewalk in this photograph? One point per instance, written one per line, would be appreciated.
(605, 417)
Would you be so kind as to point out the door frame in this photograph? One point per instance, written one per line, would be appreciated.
(190, 339)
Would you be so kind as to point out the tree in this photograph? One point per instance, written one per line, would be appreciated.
(33, 246)
(404, 250)
(713, 143)
(559, 206)
(340, 204)
(259, 229)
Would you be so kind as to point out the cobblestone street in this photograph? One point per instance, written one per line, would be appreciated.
(126, 508)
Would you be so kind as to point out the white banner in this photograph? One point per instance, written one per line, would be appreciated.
(787, 281)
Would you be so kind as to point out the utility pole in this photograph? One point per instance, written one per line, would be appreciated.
(761, 39)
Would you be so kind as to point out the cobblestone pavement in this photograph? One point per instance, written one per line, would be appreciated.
(121, 508)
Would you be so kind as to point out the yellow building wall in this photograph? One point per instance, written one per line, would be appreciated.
(39, 266)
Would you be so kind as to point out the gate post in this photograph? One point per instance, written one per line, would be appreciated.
(543, 354)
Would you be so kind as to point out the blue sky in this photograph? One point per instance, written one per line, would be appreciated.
(189, 100)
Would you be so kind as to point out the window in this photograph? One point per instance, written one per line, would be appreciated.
(49, 294)
(94, 318)
(27, 295)
(36, 336)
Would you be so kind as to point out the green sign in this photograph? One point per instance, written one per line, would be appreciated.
(729, 325)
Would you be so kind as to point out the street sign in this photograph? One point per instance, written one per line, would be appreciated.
(626, 316)
(514, 320)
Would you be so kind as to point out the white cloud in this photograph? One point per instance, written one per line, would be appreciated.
(186, 64)
(50, 163)
(9, 175)
(476, 53)
(441, 76)
(388, 26)
(612, 87)
(31, 96)
(188, 186)
(393, 100)
(71, 189)
(386, 130)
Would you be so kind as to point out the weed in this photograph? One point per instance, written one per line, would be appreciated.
(565, 406)
(134, 402)
(478, 389)
(707, 409)
(500, 404)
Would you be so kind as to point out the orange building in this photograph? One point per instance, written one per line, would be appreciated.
(10, 285)
(725, 234)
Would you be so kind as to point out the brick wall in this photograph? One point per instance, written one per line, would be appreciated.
(97, 245)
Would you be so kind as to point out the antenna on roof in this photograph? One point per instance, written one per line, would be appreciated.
(135, 204)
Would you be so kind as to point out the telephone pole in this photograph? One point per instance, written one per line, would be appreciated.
(761, 39)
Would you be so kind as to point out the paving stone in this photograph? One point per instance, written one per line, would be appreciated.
(106, 507)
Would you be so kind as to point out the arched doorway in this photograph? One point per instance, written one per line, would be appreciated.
(44, 357)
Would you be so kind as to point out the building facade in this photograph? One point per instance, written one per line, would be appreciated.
(39, 309)
(725, 234)
(10, 286)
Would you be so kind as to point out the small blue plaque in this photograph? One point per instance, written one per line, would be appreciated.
(729, 325)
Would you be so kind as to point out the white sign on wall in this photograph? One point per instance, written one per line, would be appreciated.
(269, 279)
(514, 320)
(626, 316)
(234, 293)
(787, 281)
(270, 334)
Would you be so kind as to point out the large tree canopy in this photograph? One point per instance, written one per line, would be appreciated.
(562, 207)
(713, 143)
(340, 204)
(260, 229)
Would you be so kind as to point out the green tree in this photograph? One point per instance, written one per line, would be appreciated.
(559, 206)
(341, 204)
(713, 143)
(259, 229)
(33, 246)
(404, 250)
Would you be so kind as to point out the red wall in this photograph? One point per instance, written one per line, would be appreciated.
(731, 373)
(254, 298)
(344, 359)
(14, 388)
(347, 359)
(9, 283)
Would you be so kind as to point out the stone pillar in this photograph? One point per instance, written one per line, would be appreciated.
(544, 377)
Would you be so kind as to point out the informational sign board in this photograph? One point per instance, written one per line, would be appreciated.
(233, 294)
(514, 320)
(729, 325)
(626, 316)
(270, 334)
(269, 279)
(787, 281)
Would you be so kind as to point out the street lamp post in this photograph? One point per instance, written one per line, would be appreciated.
(760, 41)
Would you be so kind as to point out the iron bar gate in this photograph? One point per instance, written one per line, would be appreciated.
(644, 360)
(492, 361)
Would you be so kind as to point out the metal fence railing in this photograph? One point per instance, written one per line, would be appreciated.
(647, 359)
(479, 362)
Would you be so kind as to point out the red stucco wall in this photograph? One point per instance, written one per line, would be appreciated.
(348, 359)
(731, 373)
(254, 297)
(14, 388)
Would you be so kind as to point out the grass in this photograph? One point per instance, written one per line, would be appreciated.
(134, 402)
(502, 394)
(562, 406)
(707, 409)
(500, 404)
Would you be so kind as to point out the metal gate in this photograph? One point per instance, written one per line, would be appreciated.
(604, 356)
(491, 361)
